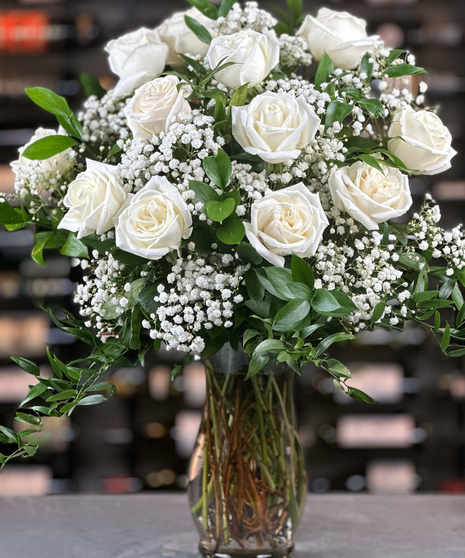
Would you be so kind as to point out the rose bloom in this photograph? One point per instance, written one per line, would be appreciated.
(61, 162)
(136, 58)
(254, 54)
(93, 199)
(368, 195)
(275, 127)
(154, 221)
(422, 142)
(285, 222)
(180, 39)
(342, 36)
(155, 106)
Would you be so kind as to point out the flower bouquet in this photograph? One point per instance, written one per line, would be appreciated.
(241, 196)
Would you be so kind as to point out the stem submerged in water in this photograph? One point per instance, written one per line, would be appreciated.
(250, 491)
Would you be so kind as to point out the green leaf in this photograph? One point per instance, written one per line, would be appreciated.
(28, 419)
(270, 346)
(11, 436)
(231, 232)
(240, 96)
(216, 94)
(225, 7)
(91, 85)
(337, 369)
(220, 210)
(31, 450)
(425, 295)
(393, 55)
(249, 334)
(334, 338)
(92, 400)
(289, 317)
(369, 160)
(34, 391)
(337, 112)
(218, 168)
(430, 304)
(198, 68)
(412, 260)
(203, 192)
(324, 70)
(404, 70)
(257, 363)
(373, 106)
(146, 298)
(10, 215)
(445, 338)
(437, 320)
(301, 272)
(359, 395)
(62, 395)
(367, 66)
(26, 365)
(198, 29)
(279, 283)
(74, 247)
(254, 288)
(57, 105)
(447, 288)
(332, 303)
(248, 254)
(206, 7)
(49, 146)
(295, 7)
(378, 312)
(282, 28)
(48, 100)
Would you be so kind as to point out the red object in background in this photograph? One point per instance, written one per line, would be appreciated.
(24, 31)
(453, 486)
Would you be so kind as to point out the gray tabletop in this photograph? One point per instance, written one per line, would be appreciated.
(159, 526)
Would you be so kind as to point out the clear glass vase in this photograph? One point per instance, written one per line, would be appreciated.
(247, 481)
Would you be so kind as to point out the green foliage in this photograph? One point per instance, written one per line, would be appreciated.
(218, 168)
(49, 146)
(337, 112)
(91, 85)
(57, 105)
(231, 232)
(324, 71)
(404, 70)
(198, 29)
(206, 7)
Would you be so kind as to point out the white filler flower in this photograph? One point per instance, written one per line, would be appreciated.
(341, 35)
(93, 199)
(254, 56)
(276, 127)
(154, 221)
(136, 58)
(422, 142)
(368, 195)
(155, 106)
(289, 221)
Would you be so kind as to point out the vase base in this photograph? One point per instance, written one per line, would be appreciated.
(282, 552)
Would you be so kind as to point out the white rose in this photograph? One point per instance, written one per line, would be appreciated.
(276, 127)
(254, 54)
(136, 58)
(154, 221)
(285, 222)
(425, 144)
(180, 39)
(93, 199)
(369, 196)
(61, 162)
(155, 106)
(342, 36)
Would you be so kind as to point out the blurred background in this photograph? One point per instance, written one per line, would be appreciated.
(413, 440)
